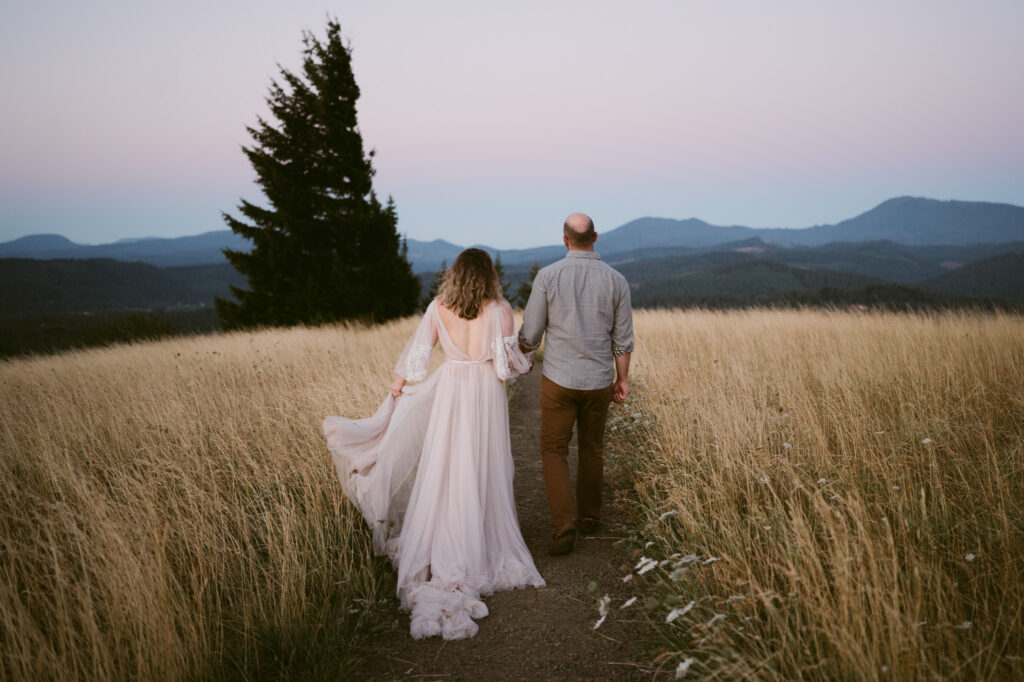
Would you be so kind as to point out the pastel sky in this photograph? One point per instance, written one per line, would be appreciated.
(492, 121)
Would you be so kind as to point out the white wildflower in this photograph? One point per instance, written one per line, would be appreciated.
(670, 513)
(677, 574)
(688, 559)
(879, 433)
(822, 481)
(645, 565)
(834, 497)
(926, 441)
(923, 622)
(682, 668)
(737, 597)
(718, 617)
(649, 544)
(602, 609)
(626, 578)
(767, 527)
(710, 560)
(966, 625)
(681, 611)
(895, 487)
(787, 446)
(629, 602)
(969, 557)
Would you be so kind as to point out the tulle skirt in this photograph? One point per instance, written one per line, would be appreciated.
(432, 473)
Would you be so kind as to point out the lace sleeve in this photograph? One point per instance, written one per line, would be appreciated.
(509, 361)
(416, 361)
(413, 363)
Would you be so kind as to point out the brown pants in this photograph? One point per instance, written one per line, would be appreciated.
(560, 409)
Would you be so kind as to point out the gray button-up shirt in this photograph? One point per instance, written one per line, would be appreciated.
(583, 303)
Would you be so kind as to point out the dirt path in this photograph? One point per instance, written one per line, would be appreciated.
(533, 634)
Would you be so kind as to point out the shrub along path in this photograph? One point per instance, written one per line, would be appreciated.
(534, 634)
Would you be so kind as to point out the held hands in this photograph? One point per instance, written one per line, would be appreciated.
(396, 387)
(620, 390)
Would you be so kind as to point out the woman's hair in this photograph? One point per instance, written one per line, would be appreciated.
(469, 283)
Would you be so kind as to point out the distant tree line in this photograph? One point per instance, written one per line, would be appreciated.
(54, 333)
(890, 297)
(518, 299)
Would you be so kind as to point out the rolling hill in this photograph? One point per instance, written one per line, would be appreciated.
(197, 249)
(46, 287)
(1000, 277)
(907, 221)
(913, 220)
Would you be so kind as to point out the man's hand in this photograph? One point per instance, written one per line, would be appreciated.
(620, 390)
(396, 387)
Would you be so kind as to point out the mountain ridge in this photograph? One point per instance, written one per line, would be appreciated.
(912, 221)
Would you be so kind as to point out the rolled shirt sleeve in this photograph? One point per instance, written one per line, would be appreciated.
(535, 315)
(622, 329)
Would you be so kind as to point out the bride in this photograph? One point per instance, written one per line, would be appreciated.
(431, 471)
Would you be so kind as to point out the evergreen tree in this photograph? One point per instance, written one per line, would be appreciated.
(435, 285)
(526, 287)
(500, 269)
(325, 249)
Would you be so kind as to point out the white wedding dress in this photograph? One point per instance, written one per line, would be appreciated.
(432, 471)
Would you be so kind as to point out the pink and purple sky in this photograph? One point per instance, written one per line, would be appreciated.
(492, 121)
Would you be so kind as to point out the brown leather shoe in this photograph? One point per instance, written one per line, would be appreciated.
(587, 526)
(562, 544)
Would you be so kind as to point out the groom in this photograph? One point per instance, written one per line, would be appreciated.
(583, 305)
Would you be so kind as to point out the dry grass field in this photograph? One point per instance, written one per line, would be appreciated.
(839, 495)
(169, 510)
(845, 495)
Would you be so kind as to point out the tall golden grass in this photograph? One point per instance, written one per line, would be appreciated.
(169, 510)
(840, 494)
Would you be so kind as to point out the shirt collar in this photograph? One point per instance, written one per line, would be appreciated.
(582, 254)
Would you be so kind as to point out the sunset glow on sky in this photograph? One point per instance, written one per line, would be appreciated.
(491, 123)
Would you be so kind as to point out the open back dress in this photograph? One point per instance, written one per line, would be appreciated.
(432, 472)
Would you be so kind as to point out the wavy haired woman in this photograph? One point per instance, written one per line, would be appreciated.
(432, 470)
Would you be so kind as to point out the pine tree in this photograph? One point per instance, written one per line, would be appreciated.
(435, 285)
(325, 249)
(526, 286)
(500, 269)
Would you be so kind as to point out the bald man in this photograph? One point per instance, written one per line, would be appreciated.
(583, 305)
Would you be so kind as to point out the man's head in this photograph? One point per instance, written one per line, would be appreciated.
(578, 232)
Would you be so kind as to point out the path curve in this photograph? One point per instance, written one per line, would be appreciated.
(532, 634)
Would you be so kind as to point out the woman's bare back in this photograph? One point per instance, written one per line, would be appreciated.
(469, 336)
